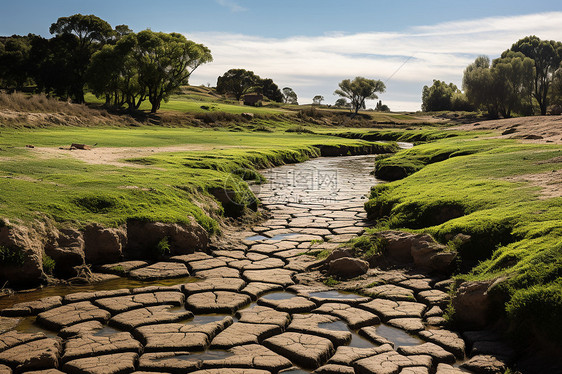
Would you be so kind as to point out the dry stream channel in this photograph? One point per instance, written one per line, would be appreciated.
(248, 306)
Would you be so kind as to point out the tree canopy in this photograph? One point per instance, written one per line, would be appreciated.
(317, 100)
(547, 55)
(360, 89)
(289, 96)
(238, 82)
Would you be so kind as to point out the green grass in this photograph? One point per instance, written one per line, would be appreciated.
(461, 185)
(193, 103)
(166, 187)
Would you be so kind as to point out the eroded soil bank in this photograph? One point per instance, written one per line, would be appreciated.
(253, 306)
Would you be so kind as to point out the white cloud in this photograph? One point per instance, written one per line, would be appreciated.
(314, 65)
(232, 5)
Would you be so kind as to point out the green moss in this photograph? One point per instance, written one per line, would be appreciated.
(11, 256)
(48, 264)
(330, 282)
(163, 247)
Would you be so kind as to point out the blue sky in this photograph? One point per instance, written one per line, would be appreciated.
(312, 45)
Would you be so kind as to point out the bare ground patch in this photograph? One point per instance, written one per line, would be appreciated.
(536, 129)
(549, 182)
(115, 155)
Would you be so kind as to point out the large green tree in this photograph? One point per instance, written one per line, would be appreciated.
(360, 89)
(270, 90)
(90, 32)
(165, 62)
(289, 96)
(237, 82)
(547, 55)
(14, 62)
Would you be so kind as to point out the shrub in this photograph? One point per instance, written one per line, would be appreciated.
(11, 256)
(163, 247)
(48, 264)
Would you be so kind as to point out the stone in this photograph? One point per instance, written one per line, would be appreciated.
(370, 333)
(122, 268)
(29, 243)
(33, 355)
(390, 292)
(103, 245)
(13, 338)
(348, 267)
(148, 316)
(495, 348)
(214, 284)
(107, 364)
(448, 369)
(334, 369)
(434, 297)
(91, 345)
(231, 371)
(415, 370)
(305, 350)
(160, 270)
(257, 289)
(263, 314)
(169, 362)
(183, 238)
(355, 317)
(282, 277)
(251, 356)
(388, 309)
(122, 304)
(84, 328)
(449, 340)
(416, 284)
(66, 248)
(410, 325)
(347, 355)
(32, 307)
(484, 364)
(70, 314)
(389, 363)
(7, 324)
(217, 302)
(180, 336)
(433, 312)
(88, 296)
(398, 245)
(45, 371)
(473, 304)
(222, 272)
(6, 369)
(310, 324)
(438, 354)
(210, 263)
(295, 304)
(186, 259)
(240, 333)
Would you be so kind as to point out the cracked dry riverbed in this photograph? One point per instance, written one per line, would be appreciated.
(249, 306)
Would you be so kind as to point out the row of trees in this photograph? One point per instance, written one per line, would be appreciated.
(525, 79)
(123, 67)
(238, 82)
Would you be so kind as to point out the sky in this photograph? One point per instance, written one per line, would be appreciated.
(312, 45)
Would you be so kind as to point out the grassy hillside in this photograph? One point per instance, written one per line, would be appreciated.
(161, 186)
(500, 193)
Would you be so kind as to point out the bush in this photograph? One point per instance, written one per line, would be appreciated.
(163, 247)
(11, 256)
(48, 264)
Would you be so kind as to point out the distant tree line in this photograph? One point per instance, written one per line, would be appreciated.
(526, 79)
(239, 82)
(118, 65)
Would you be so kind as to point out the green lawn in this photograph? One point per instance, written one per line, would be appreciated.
(167, 187)
(516, 233)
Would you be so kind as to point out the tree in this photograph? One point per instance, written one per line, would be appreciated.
(502, 87)
(438, 97)
(380, 107)
(165, 62)
(342, 103)
(91, 33)
(289, 96)
(114, 74)
(547, 55)
(360, 89)
(270, 90)
(237, 82)
(317, 100)
(14, 62)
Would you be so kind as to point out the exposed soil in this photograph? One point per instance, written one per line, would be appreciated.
(549, 182)
(115, 155)
(536, 129)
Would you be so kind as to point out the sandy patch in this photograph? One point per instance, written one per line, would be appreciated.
(536, 129)
(115, 155)
(549, 182)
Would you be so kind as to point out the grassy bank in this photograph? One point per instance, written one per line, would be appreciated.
(500, 193)
(159, 184)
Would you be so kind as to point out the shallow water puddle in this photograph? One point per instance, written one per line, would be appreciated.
(335, 294)
(273, 238)
(211, 354)
(282, 295)
(397, 336)
(357, 341)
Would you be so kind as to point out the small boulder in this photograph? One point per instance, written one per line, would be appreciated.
(103, 245)
(348, 267)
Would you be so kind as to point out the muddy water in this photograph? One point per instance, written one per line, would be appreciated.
(320, 200)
